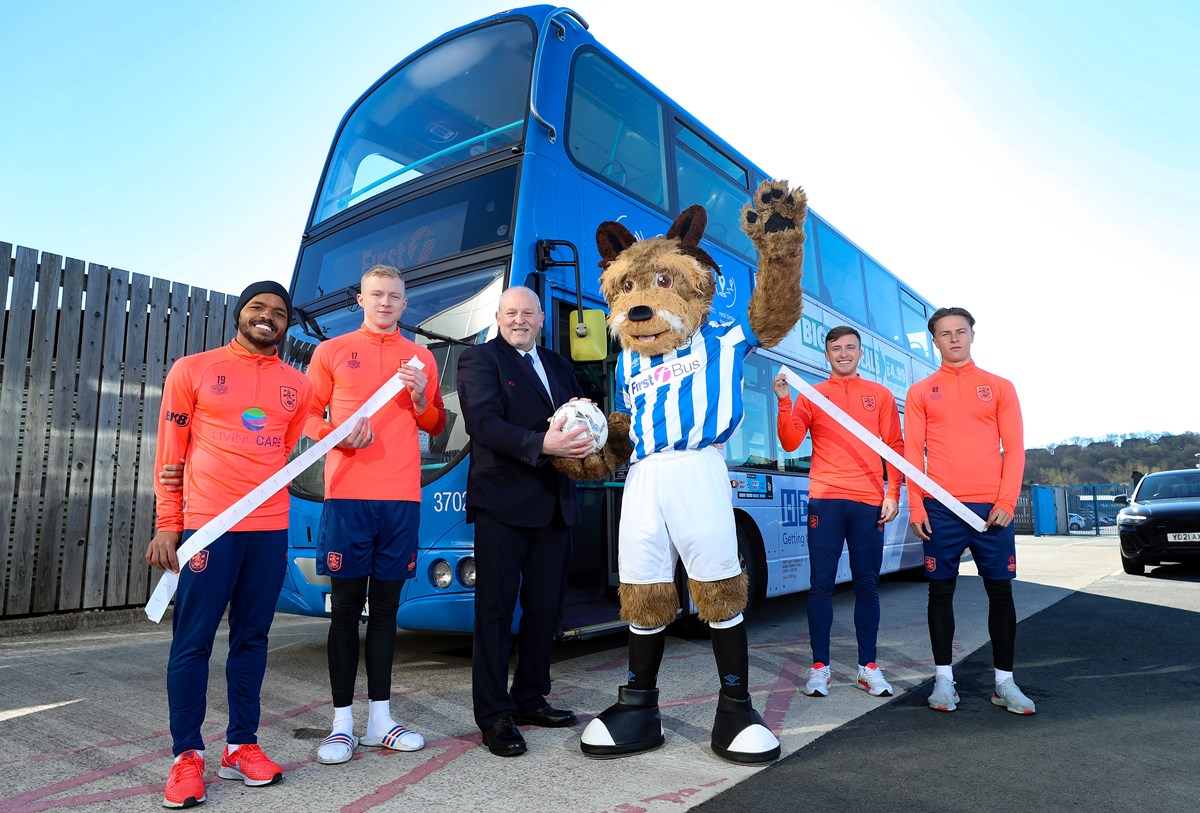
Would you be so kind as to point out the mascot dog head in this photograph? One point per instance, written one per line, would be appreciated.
(660, 290)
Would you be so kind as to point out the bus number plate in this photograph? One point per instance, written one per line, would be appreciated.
(329, 605)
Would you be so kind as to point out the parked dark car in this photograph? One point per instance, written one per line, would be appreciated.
(1160, 521)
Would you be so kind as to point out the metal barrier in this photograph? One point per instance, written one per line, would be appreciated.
(1091, 510)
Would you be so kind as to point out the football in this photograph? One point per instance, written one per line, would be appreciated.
(587, 415)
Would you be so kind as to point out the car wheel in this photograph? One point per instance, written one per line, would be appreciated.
(1134, 567)
(1075, 526)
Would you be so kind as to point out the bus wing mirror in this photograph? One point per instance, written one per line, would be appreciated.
(593, 344)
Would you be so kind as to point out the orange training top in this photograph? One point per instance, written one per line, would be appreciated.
(232, 416)
(345, 372)
(842, 467)
(956, 423)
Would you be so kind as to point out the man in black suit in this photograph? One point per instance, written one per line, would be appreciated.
(523, 510)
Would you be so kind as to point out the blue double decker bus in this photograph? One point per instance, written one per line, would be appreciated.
(487, 159)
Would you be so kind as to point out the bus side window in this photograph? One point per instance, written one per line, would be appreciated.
(615, 129)
(916, 330)
(883, 303)
(841, 272)
(755, 444)
(706, 176)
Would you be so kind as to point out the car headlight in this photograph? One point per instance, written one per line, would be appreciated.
(441, 574)
(466, 571)
(1131, 519)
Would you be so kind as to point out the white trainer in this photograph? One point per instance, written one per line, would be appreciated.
(818, 681)
(871, 681)
(1008, 695)
(944, 696)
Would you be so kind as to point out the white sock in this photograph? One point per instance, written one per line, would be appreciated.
(199, 753)
(943, 671)
(380, 722)
(229, 749)
(343, 720)
(379, 718)
(1002, 676)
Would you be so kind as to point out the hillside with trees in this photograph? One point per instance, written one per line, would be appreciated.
(1110, 460)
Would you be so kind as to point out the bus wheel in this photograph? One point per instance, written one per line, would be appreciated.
(688, 625)
(748, 560)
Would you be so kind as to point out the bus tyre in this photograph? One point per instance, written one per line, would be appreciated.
(631, 726)
(740, 735)
(748, 560)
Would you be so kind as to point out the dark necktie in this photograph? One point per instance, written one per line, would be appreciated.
(533, 365)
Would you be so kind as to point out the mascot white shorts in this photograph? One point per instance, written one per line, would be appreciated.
(678, 505)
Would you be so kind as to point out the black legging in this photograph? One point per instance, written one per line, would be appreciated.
(1002, 621)
(346, 603)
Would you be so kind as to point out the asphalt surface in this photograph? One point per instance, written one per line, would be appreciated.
(1115, 681)
(1109, 658)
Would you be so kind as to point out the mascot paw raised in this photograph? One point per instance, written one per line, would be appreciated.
(679, 392)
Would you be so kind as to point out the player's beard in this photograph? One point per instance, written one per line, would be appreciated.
(257, 339)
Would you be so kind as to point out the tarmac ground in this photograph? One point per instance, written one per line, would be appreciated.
(1109, 659)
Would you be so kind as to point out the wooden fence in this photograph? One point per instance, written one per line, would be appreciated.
(85, 352)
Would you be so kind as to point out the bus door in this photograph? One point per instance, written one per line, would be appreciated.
(591, 606)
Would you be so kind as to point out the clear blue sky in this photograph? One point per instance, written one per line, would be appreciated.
(1035, 162)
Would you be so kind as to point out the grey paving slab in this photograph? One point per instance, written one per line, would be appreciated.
(84, 713)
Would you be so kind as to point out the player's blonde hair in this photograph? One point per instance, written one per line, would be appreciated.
(389, 271)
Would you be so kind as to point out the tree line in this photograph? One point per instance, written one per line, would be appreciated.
(1113, 459)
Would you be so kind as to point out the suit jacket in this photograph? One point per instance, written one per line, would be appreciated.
(506, 409)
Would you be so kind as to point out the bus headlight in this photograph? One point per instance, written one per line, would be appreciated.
(466, 571)
(440, 574)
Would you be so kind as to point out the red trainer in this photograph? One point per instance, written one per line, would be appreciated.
(185, 783)
(249, 764)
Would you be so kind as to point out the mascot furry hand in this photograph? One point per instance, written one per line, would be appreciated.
(679, 392)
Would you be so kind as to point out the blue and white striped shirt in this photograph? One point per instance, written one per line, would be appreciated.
(689, 398)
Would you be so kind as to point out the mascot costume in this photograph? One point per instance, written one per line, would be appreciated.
(678, 396)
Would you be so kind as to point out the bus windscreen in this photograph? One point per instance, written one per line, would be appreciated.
(462, 98)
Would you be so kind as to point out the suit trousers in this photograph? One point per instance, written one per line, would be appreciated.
(513, 562)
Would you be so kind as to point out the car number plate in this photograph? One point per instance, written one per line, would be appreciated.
(1193, 536)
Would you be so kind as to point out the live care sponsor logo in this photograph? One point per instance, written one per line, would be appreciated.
(246, 438)
(664, 374)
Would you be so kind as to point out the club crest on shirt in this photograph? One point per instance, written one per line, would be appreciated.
(934, 394)
(334, 561)
(868, 402)
(984, 392)
(289, 397)
(353, 364)
(198, 562)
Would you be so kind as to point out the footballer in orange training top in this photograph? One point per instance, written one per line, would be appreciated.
(847, 502)
(371, 517)
(962, 425)
(231, 415)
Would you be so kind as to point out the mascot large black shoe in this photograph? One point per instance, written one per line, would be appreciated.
(678, 398)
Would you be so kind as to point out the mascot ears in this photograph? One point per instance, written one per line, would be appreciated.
(689, 226)
(612, 238)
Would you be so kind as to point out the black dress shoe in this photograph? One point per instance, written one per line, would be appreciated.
(503, 739)
(546, 716)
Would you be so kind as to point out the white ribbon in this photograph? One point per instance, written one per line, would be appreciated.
(910, 471)
(235, 513)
